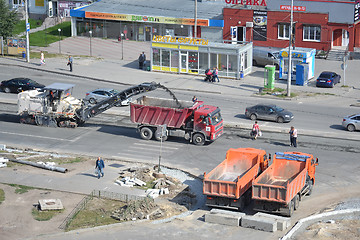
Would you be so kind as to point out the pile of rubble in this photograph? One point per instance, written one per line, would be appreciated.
(160, 184)
(3, 162)
(137, 210)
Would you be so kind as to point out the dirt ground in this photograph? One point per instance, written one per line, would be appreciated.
(16, 220)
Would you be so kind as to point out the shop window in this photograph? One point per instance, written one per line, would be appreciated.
(174, 59)
(193, 62)
(232, 63)
(165, 58)
(283, 30)
(156, 57)
(203, 61)
(312, 33)
(222, 64)
(213, 60)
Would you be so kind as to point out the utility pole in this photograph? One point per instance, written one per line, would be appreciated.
(27, 32)
(195, 18)
(290, 54)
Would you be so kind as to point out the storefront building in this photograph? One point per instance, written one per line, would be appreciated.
(140, 20)
(194, 56)
(318, 24)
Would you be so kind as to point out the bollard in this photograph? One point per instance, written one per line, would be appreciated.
(23, 55)
(241, 75)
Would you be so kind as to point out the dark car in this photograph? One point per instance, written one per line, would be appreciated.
(268, 112)
(327, 79)
(17, 85)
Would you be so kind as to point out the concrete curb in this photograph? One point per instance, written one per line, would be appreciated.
(316, 217)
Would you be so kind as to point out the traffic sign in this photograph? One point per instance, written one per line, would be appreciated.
(343, 66)
(28, 27)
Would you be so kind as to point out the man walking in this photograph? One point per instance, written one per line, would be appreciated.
(215, 74)
(70, 63)
(293, 136)
(99, 166)
(142, 59)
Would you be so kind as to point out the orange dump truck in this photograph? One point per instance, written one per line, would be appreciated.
(281, 186)
(229, 184)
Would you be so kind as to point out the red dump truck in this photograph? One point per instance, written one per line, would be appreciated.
(282, 185)
(229, 184)
(196, 122)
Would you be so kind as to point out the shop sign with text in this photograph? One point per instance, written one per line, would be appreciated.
(182, 40)
(295, 8)
(148, 19)
(247, 2)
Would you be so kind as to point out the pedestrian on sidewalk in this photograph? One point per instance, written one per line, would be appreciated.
(142, 59)
(255, 132)
(99, 167)
(70, 62)
(293, 136)
(42, 58)
(215, 74)
(194, 99)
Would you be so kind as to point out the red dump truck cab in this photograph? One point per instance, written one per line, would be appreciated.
(197, 122)
(282, 185)
(228, 185)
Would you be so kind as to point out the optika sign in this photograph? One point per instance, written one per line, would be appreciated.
(247, 2)
(144, 19)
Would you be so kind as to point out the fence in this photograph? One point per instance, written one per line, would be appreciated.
(98, 194)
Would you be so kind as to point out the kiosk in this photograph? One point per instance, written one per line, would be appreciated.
(299, 57)
(194, 56)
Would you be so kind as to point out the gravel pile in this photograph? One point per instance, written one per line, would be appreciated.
(137, 210)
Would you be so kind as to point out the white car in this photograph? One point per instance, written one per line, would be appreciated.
(100, 94)
(352, 122)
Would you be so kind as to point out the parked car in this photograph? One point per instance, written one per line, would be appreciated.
(17, 85)
(268, 112)
(352, 122)
(100, 94)
(327, 79)
(266, 56)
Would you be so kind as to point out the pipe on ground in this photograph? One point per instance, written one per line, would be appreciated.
(51, 168)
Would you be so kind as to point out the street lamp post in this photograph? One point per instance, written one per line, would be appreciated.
(90, 32)
(59, 30)
(122, 46)
(27, 32)
(290, 53)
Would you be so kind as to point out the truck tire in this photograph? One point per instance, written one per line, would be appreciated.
(146, 133)
(198, 139)
(296, 202)
(242, 204)
(290, 209)
(311, 185)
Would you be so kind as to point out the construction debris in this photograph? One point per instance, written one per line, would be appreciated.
(50, 204)
(3, 162)
(41, 165)
(130, 182)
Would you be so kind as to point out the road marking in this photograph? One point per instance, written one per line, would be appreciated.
(136, 157)
(28, 135)
(151, 145)
(137, 150)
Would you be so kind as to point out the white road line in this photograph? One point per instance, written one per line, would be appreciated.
(158, 145)
(137, 150)
(28, 135)
(134, 156)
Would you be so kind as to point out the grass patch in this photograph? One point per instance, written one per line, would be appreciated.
(45, 37)
(148, 185)
(20, 27)
(345, 86)
(96, 213)
(274, 90)
(277, 92)
(20, 189)
(2, 195)
(44, 215)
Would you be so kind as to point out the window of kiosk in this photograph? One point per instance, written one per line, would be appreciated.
(156, 57)
(231, 71)
(222, 65)
(165, 58)
(213, 60)
(174, 59)
(193, 62)
(203, 62)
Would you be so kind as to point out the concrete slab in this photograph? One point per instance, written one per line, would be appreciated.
(282, 222)
(224, 219)
(50, 204)
(259, 223)
(226, 212)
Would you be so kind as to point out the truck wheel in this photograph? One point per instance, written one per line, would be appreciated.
(253, 116)
(198, 139)
(242, 204)
(350, 128)
(311, 184)
(290, 209)
(280, 120)
(146, 133)
(296, 202)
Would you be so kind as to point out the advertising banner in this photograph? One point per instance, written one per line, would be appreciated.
(260, 25)
(356, 11)
(147, 19)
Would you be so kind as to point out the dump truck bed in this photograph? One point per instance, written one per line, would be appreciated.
(160, 111)
(281, 181)
(234, 175)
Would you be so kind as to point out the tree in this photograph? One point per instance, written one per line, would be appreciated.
(7, 20)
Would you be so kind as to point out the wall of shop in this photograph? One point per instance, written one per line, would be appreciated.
(212, 34)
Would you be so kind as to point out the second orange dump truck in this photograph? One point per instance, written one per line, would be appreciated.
(281, 186)
(229, 184)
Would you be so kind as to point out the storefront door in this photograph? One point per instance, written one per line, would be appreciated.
(184, 60)
(337, 37)
(148, 33)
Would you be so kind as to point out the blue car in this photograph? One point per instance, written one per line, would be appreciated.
(327, 79)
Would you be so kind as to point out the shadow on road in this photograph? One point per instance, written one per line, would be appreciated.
(5, 117)
(337, 127)
(279, 143)
(87, 174)
(242, 116)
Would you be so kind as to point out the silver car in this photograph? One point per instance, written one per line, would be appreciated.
(100, 94)
(352, 122)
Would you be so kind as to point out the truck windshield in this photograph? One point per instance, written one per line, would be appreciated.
(215, 117)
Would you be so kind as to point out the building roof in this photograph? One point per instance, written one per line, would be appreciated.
(163, 8)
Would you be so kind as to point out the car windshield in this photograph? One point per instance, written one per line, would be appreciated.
(215, 118)
(113, 91)
(278, 109)
(325, 75)
(30, 81)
